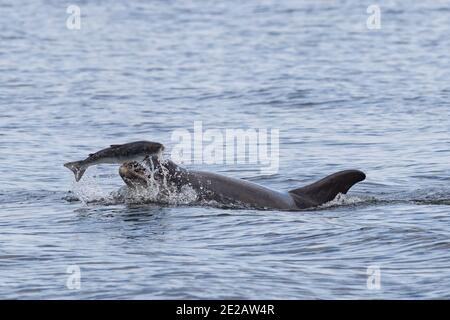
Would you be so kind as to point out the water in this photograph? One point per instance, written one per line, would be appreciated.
(342, 96)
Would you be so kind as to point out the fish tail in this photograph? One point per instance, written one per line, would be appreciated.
(77, 168)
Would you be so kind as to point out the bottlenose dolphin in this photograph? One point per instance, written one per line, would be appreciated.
(116, 153)
(227, 190)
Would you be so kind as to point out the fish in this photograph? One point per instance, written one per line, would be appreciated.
(116, 154)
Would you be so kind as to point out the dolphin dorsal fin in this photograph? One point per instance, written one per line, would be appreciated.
(328, 188)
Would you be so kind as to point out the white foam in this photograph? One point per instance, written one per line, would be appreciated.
(88, 189)
(160, 191)
(343, 200)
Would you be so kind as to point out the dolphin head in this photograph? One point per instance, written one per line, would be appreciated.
(134, 174)
(151, 170)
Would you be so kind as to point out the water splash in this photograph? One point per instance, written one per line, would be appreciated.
(89, 190)
(167, 195)
(346, 200)
(159, 190)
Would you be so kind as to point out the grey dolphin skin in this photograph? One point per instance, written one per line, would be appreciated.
(116, 153)
(226, 190)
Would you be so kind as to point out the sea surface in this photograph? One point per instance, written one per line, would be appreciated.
(341, 95)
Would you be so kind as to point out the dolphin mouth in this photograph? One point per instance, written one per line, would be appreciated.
(134, 174)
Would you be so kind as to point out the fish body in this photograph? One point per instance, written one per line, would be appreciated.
(116, 154)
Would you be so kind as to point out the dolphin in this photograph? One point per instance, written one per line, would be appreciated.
(233, 191)
(116, 153)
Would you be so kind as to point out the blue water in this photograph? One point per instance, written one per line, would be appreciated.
(341, 95)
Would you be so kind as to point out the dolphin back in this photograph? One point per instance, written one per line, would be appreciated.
(327, 188)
